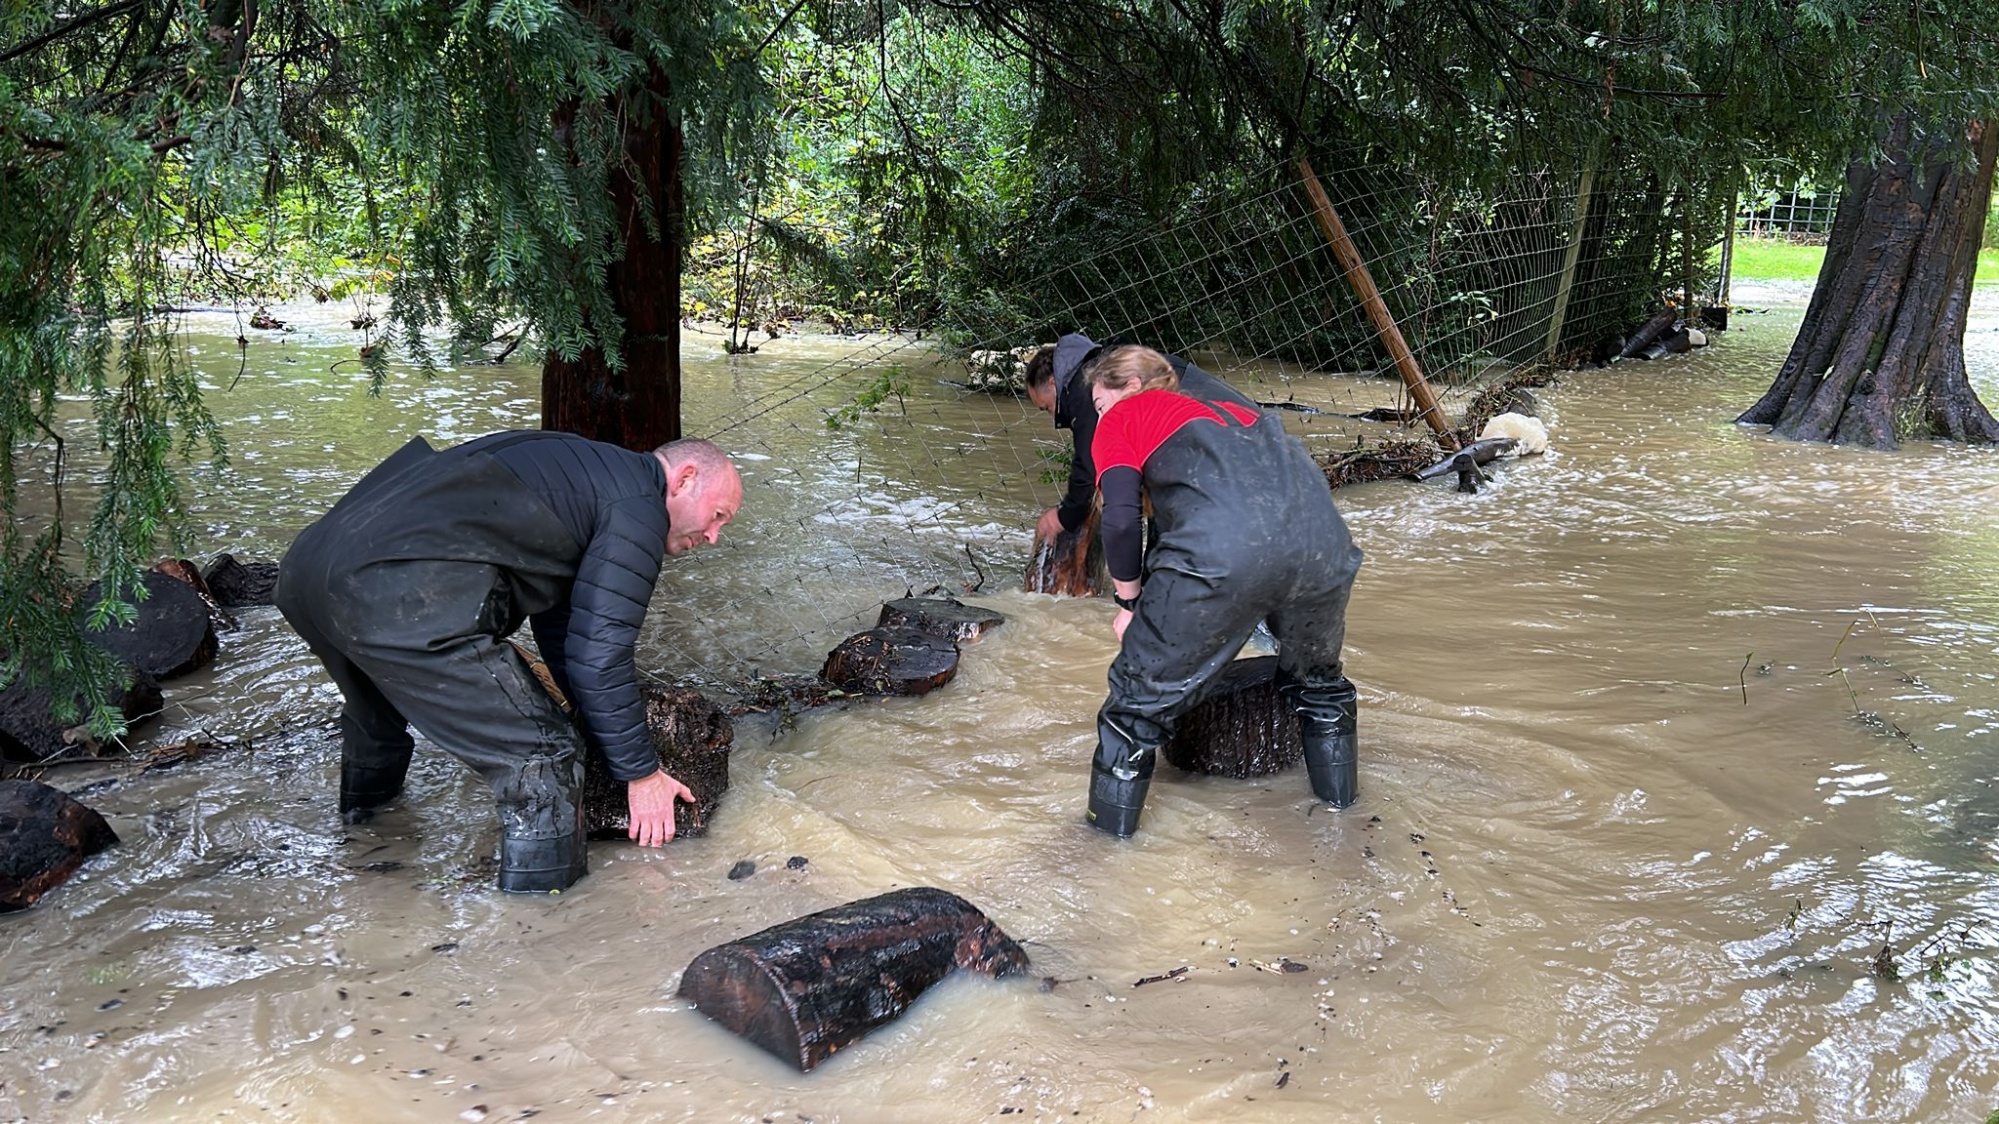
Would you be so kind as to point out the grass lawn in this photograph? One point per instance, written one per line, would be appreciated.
(1767, 259)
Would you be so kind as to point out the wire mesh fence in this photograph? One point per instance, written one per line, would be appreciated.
(1798, 212)
(901, 464)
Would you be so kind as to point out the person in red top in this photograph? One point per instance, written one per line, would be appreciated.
(1245, 529)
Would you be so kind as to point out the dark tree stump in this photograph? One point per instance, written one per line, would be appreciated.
(172, 634)
(29, 733)
(1244, 728)
(811, 986)
(944, 617)
(44, 836)
(237, 584)
(692, 736)
(1069, 565)
(891, 661)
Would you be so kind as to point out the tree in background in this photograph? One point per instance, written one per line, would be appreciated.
(1880, 354)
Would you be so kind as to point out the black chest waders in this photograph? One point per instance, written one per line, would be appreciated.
(420, 641)
(1246, 531)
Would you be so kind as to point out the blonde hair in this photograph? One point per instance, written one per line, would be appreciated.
(1134, 366)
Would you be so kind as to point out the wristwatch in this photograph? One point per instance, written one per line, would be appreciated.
(1125, 602)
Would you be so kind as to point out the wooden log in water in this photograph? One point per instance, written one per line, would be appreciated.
(946, 618)
(1069, 565)
(1243, 728)
(692, 736)
(171, 635)
(690, 733)
(809, 987)
(182, 570)
(891, 661)
(1641, 339)
(29, 733)
(45, 834)
(237, 584)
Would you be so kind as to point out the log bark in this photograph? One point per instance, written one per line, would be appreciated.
(1880, 354)
(183, 571)
(236, 584)
(1243, 728)
(30, 734)
(637, 403)
(1069, 565)
(891, 661)
(692, 736)
(171, 636)
(812, 986)
(45, 835)
(1652, 329)
(946, 618)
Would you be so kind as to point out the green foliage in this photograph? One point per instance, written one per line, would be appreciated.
(889, 382)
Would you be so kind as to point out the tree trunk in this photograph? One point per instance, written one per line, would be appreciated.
(1880, 355)
(638, 405)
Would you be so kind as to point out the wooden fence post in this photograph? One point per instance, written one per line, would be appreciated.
(1377, 310)
(1577, 230)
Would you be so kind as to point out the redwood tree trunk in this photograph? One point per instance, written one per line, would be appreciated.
(1880, 354)
(637, 406)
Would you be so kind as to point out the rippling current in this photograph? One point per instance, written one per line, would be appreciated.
(1666, 736)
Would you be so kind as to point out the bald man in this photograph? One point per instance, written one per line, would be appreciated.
(407, 589)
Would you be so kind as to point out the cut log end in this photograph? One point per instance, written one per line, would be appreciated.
(45, 834)
(891, 661)
(1243, 728)
(171, 634)
(809, 987)
(944, 617)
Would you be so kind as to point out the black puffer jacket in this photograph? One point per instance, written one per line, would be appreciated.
(576, 530)
(1076, 412)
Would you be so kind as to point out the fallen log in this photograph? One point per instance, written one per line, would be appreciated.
(1069, 565)
(170, 635)
(811, 986)
(1642, 338)
(29, 732)
(946, 618)
(237, 584)
(891, 661)
(1243, 728)
(1465, 462)
(692, 737)
(45, 834)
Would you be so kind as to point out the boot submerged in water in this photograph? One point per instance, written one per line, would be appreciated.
(1119, 776)
(542, 846)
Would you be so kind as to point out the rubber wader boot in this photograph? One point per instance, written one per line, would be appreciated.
(365, 788)
(542, 847)
(1118, 779)
(1332, 750)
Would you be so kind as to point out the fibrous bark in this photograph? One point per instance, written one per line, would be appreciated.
(692, 736)
(1069, 565)
(1243, 728)
(814, 985)
(235, 583)
(1880, 354)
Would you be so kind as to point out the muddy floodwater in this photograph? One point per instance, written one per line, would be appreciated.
(1665, 738)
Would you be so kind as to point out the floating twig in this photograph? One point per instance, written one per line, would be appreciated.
(1172, 975)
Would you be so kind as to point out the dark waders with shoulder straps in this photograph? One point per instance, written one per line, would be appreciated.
(1247, 530)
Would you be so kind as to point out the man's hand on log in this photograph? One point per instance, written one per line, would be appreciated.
(1048, 526)
(651, 804)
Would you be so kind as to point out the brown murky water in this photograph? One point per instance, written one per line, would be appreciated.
(1624, 850)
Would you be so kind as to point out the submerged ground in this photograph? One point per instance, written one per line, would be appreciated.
(1664, 737)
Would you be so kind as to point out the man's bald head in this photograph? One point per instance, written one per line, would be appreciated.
(703, 492)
